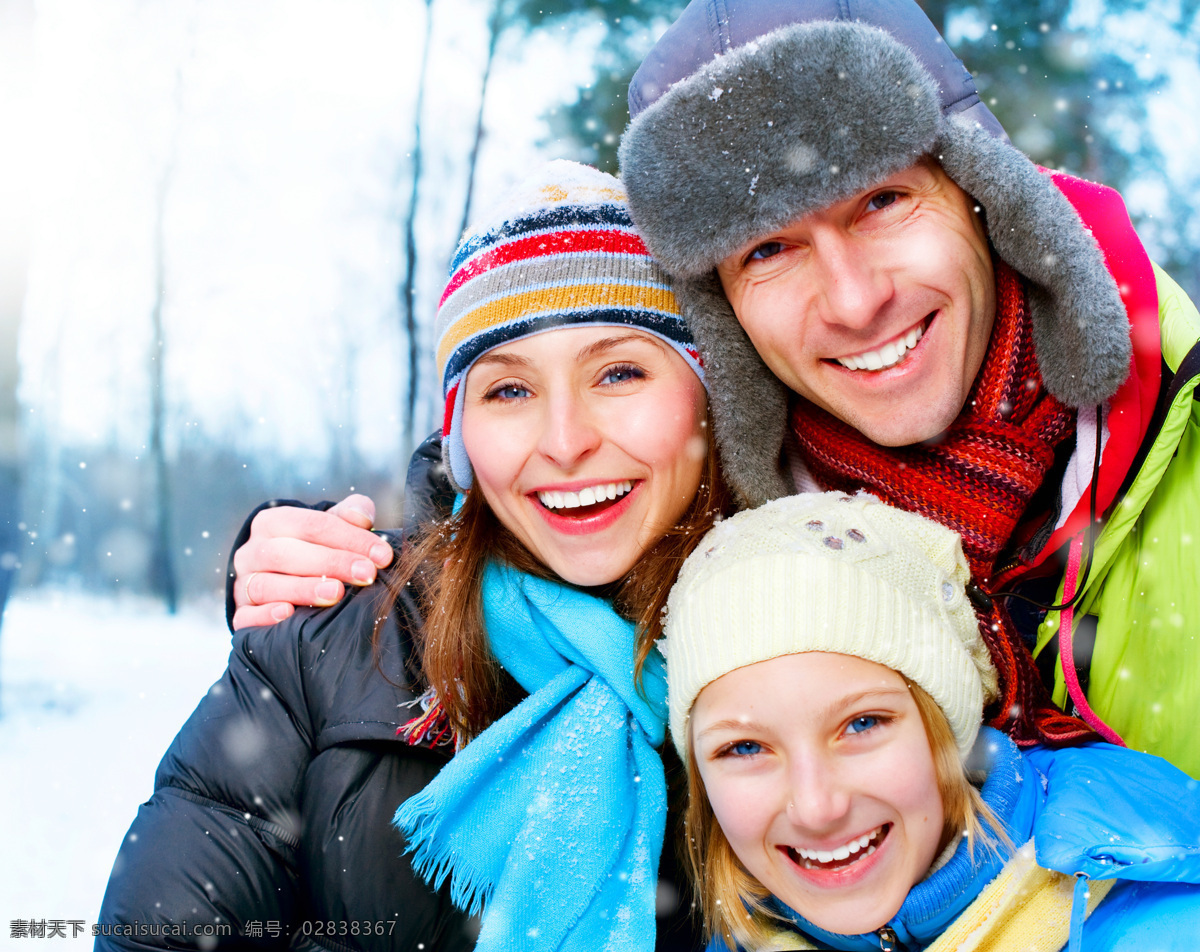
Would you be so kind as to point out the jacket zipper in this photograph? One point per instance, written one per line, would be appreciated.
(887, 939)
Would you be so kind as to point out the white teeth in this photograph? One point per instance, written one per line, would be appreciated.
(589, 495)
(841, 852)
(888, 355)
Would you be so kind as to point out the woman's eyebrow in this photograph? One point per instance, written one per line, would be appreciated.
(597, 347)
(506, 360)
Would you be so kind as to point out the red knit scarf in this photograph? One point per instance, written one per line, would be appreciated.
(977, 480)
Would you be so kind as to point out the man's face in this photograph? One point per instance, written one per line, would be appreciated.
(878, 308)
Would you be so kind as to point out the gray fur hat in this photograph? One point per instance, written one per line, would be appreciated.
(750, 116)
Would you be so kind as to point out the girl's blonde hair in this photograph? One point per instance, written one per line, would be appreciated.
(735, 903)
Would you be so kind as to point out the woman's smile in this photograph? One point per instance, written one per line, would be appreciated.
(588, 444)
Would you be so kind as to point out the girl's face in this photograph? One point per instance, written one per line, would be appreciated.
(819, 770)
(588, 443)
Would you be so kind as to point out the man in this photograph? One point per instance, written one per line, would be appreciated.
(887, 295)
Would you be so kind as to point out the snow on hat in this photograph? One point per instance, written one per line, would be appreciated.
(829, 572)
(746, 121)
(558, 251)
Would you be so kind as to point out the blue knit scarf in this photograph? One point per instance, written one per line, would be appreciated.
(552, 819)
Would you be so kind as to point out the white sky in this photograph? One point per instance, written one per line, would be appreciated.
(285, 125)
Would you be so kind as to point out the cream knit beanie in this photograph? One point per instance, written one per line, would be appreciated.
(829, 572)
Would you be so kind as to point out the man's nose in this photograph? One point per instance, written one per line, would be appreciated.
(570, 431)
(855, 285)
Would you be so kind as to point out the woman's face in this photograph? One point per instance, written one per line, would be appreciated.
(588, 443)
(820, 773)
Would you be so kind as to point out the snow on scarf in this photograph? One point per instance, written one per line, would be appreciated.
(552, 819)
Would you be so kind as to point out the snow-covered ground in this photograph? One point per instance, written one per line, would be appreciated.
(91, 692)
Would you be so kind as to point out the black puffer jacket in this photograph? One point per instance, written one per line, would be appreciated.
(271, 815)
(271, 810)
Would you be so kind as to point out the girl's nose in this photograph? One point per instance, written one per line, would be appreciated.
(818, 800)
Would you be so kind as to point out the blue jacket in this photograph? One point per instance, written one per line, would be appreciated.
(1101, 811)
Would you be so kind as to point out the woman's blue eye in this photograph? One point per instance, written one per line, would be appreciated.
(508, 392)
(745, 748)
(860, 724)
(622, 374)
(768, 249)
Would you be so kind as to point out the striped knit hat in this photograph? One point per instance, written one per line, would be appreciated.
(829, 572)
(558, 251)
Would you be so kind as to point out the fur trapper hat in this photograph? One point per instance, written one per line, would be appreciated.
(737, 133)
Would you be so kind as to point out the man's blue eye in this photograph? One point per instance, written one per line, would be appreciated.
(860, 724)
(882, 200)
(745, 748)
(768, 249)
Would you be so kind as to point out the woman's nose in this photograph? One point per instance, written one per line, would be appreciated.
(570, 432)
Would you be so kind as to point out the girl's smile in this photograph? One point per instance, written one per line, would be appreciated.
(820, 772)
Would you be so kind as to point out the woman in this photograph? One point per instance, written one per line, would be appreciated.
(576, 425)
(831, 748)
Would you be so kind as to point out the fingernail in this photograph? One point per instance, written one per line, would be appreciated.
(362, 572)
(280, 612)
(327, 592)
(381, 554)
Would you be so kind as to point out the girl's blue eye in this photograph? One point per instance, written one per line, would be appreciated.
(860, 724)
(745, 748)
(768, 249)
(622, 374)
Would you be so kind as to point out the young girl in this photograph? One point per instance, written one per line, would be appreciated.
(827, 678)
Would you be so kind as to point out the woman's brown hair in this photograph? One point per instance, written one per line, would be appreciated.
(445, 564)
(734, 902)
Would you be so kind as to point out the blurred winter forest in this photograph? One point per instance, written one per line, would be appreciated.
(225, 226)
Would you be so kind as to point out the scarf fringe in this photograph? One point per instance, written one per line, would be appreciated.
(430, 728)
(418, 819)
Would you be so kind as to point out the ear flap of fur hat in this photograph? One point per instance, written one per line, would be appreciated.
(1080, 326)
(748, 403)
(809, 115)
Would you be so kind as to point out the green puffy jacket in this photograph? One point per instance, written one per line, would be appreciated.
(1143, 587)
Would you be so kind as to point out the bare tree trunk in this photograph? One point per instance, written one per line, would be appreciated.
(163, 579)
(16, 83)
(408, 288)
(495, 27)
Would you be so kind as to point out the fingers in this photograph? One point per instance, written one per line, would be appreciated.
(358, 510)
(258, 589)
(261, 616)
(330, 529)
(293, 571)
